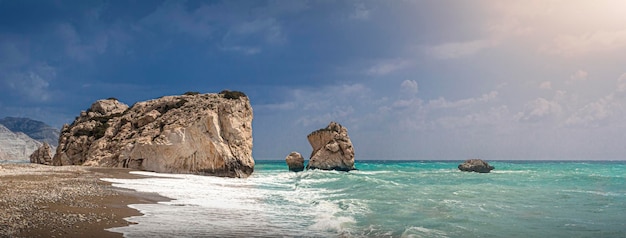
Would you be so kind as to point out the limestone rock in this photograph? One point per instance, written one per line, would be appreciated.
(43, 155)
(332, 149)
(16, 146)
(108, 107)
(295, 162)
(475, 165)
(208, 134)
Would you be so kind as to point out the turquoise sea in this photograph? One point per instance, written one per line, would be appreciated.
(390, 199)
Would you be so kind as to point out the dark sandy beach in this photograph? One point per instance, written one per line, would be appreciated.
(66, 201)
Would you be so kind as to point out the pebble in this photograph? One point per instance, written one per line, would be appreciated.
(26, 202)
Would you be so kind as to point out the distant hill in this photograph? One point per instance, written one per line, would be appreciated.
(16, 146)
(34, 129)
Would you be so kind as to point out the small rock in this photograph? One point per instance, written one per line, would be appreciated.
(295, 162)
(476, 165)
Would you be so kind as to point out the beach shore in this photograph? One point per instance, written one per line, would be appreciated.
(65, 201)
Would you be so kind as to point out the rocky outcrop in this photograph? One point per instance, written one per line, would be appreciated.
(295, 162)
(36, 130)
(16, 146)
(332, 149)
(208, 134)
(476, 165)
(43, 155)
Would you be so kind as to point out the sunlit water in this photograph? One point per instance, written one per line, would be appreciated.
(389, 199)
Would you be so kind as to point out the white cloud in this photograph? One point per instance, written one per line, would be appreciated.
(492, 116)
(594, 113)
(360, 12)
(413, 102)
(454, 50)
(388, 66)
(443, 103)
(545, 85)
(316, 100)
(409, 86)
(243, 50)
(587, 43)
(580, 75)
(33, 84)
(78, 47)
(539, 109)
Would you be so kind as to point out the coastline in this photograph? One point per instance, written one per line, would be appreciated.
(65, 201)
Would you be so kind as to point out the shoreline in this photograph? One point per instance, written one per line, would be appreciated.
(66, 201)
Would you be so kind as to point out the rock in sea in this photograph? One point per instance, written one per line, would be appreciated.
(295, 162)
(332, 149)
(475, 165)
(207, 134)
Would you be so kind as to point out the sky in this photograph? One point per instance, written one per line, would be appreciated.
(421, 80)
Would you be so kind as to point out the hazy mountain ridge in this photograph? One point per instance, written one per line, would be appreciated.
(36, 130)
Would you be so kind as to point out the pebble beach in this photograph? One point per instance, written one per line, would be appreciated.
(66, 201)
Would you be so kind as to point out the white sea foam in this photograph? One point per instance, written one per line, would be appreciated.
(265, 205)
(605, 194)
(511, 171)
(422, 232)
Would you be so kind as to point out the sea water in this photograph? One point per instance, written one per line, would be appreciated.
(389, 199)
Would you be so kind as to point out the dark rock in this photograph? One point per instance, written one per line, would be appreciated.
(295, 162)
(476, 165)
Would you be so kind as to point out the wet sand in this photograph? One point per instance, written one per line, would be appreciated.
(65, 201)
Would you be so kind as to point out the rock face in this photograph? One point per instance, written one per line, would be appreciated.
(34, 129)
(332, 149)
(208, 134)
(16, 146)
(43, 155)
(295, 162)
(476, 165)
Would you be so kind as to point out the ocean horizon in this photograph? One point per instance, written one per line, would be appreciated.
(389, 198)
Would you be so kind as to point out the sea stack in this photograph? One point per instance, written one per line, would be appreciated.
(295, 162)
(332, 149)
(475, 165)
(207, 134)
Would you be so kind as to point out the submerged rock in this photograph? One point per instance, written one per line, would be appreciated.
(208, 134)
(332, 149)
(295, 162)
(476, 165)
(43, 155)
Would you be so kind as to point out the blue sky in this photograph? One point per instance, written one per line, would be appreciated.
(409, 79)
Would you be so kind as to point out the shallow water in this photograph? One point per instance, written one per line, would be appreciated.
(390, 199)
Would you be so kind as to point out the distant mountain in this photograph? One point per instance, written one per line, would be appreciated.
(34, 129)
(16, 146)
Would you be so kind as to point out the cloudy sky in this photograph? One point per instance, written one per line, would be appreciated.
(409, 79)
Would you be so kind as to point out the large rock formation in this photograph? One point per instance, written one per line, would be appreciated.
(476, 165)
(34, 129)
(43, 155)
(16, 146)
(295, 162)
(332, 149)
(209, 134)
